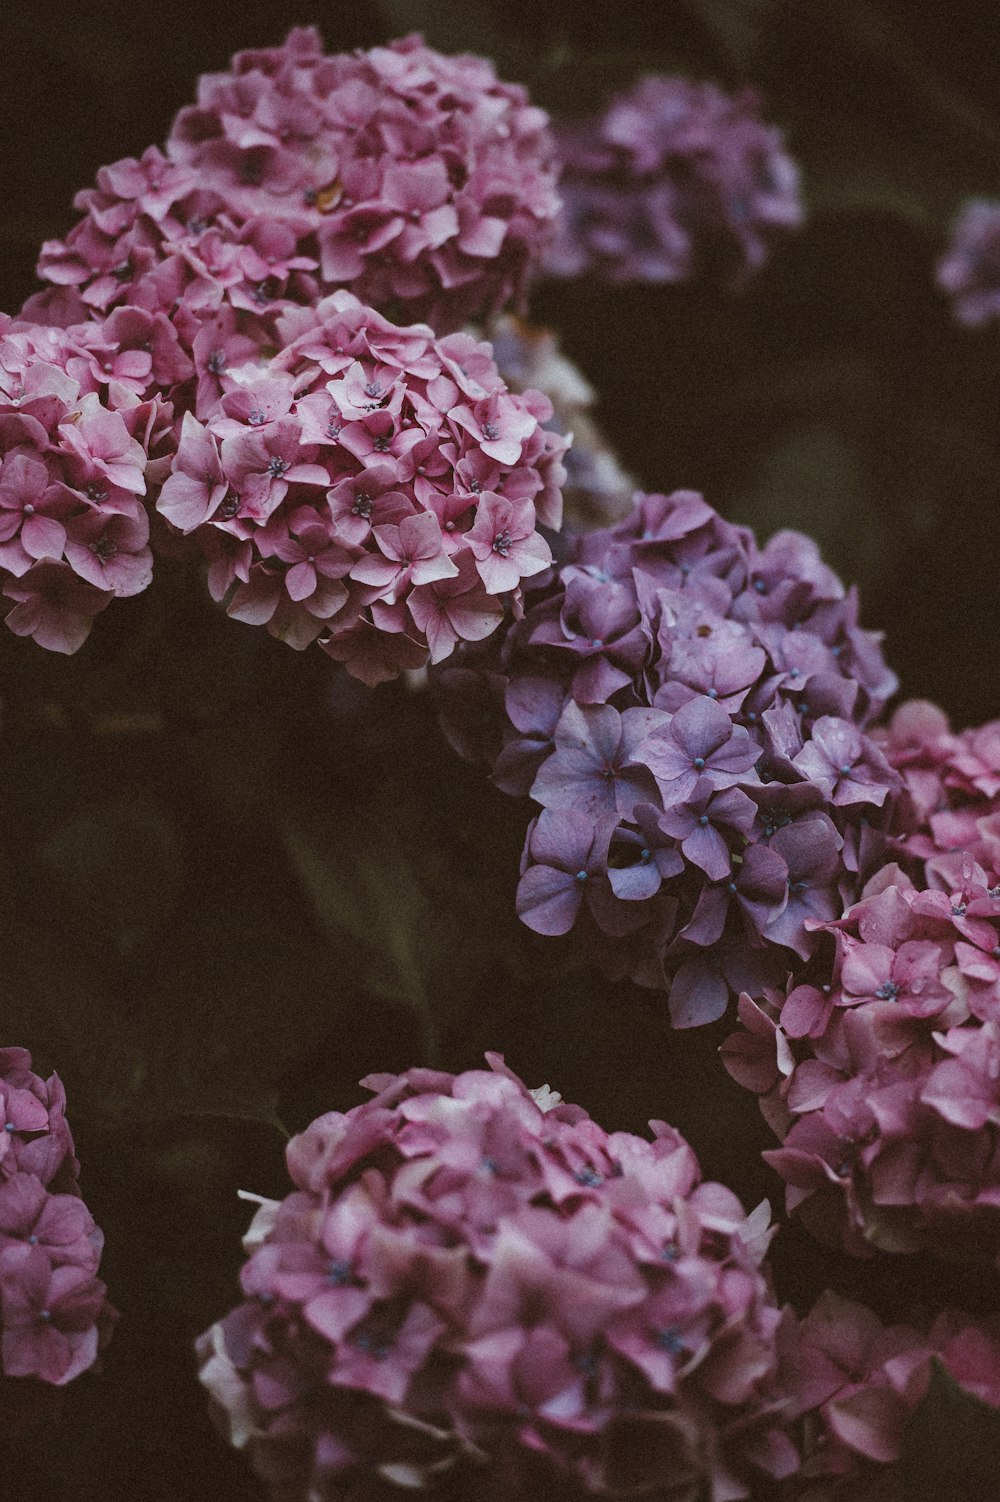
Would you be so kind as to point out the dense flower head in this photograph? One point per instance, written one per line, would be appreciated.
(951, 811)
(672, 176)
(689, 710)
(54, 1315)
(970, 269)
(418, 181)
(881, 1072)
(82, 421)
(854, 1382)
(471, 1273)
(371, 486)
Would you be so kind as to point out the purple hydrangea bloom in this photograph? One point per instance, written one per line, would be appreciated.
(970, 269)
(671, 176)
(54, 1314)
(714, 697)
(470, 1278)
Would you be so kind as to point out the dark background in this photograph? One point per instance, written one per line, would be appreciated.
(209, 845)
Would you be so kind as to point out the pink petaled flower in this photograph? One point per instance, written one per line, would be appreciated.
(852, 1384)
(505, 545)
(491, 1282)
(886, 1093)
(414, 179)
(54, 606)
(344, 496)
(71, 472)
(54, 1315)
(110, 551)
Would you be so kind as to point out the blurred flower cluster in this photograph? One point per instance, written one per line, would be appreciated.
(671, 177)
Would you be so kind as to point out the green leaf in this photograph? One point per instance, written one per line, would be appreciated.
(864, 191)
(951, 1445)
(377, 900)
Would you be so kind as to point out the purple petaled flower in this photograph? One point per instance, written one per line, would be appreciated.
(54, 1316)
(700, 744)
(671, 178)
(970, 269)
(715, 698)
(480, 1279)
(331, 509)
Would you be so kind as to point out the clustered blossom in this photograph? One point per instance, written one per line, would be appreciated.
(970, 269)
(689, 710)
(597, 490)
(373, 487)
(417, 181)
(881, 1072)
(855, 1382)
(951, 812)
(672, 176)
(80, 415)
(469, 1274)
(54, 1315)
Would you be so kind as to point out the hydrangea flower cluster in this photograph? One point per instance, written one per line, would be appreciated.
(952, 809)
(469, 1272)
(417, 181)
(856, 1381)
(54, 1314)
(880, 1073)
(970, 269)
(374, 487)
(80, 416)
(671, 176)
(689, 710)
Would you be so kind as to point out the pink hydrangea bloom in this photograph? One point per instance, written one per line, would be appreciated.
(952, 779)
(672, 176)
(418, 181)
(470, 1274)
(79, 446)
(351, 491)
(881, 1072)
(853, 1383)
(690, 711)
(54, 1314)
